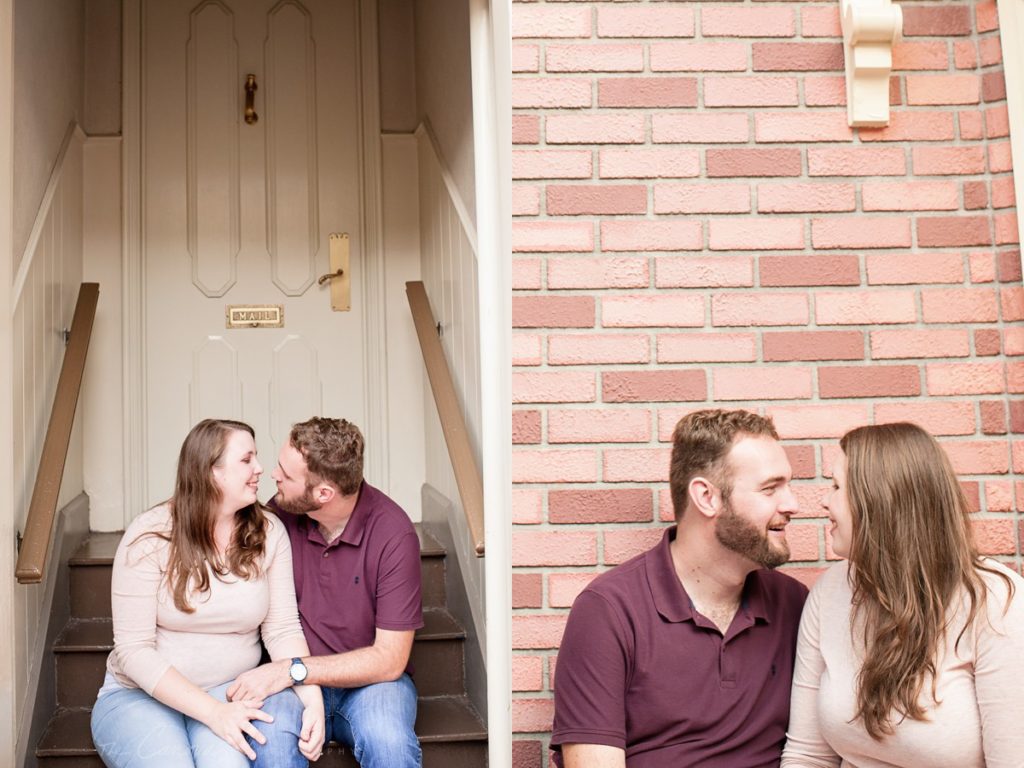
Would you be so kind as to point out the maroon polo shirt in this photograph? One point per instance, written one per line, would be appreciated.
(368, 578)
(640, 669)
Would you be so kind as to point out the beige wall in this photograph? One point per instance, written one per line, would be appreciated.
(444, 87)
(102, 68)
(48, 94)
(397, 36)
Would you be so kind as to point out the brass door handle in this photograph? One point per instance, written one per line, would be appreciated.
(250, 99)
(329, 276)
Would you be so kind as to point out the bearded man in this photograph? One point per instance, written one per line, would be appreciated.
(356, 563)
(683, 656)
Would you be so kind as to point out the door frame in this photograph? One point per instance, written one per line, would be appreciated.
(371, 235)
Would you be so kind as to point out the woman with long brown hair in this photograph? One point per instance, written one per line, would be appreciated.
(911, 652)
(198, 580)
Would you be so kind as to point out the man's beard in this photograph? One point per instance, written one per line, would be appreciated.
(297, 506)
(738, 534)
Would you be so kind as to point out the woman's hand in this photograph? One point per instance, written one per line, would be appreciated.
(311, 737)
(232, 721)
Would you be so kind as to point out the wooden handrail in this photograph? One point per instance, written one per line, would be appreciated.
(464, 463)
(42, 510)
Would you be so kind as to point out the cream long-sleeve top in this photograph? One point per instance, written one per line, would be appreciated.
(221, 638)
(978, 722)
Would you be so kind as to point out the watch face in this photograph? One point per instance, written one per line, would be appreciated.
(298, 671)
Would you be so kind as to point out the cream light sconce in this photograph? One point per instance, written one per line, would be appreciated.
(870, 28)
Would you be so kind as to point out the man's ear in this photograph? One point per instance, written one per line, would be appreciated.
(323, 493)
(704, 496)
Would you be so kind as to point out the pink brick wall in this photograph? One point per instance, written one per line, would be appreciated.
(697, 226)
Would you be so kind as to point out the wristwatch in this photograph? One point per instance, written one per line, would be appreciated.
(297, 671)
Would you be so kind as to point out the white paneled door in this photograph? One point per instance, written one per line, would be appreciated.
(239, 214)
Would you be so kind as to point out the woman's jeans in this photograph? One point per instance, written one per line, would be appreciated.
(131, 729)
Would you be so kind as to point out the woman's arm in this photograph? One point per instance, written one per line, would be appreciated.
(998, 670)
(805, 745)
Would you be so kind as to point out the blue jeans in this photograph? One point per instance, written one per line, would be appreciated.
(131, 729)
(376, 722)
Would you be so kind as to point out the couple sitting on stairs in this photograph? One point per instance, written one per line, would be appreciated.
(201, 578)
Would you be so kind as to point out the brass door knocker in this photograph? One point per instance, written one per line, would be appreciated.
(250, 99)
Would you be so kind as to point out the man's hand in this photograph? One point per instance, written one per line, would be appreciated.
(259, 683)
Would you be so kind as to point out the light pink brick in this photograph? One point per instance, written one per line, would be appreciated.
(659, 20)
(997, 122)
(971, 125)
(526, 349)
(1013, 339)
(560, 236)
(537, 631)
(615, 163)
(919, 125)
(599, 426)
(762, 383)
(620, 128)
(745, 308)
(653, 386)
(579, 273)
(810, 271)
(856, 161)
(784, 346)
(646, 235)
(944, 231)
(803, 127)
(698, 272)
(1007, 232)
(803, 540)
(527, 673)
(802, 57)
(920, 55)
(994, 537)
(1003, 193)
(868, 381)
(959, 305)
(925, 90)
(698, 57)
(820, 21)
(803, 422)
(553, 387)
(593, 58)
(552, 311)
(750, 91)
(526, 274)
(701, 128)
(805, 197)
(825, 91)
(652, 311)
(552, 164)
(621, 545)
(550, 93)
(1011, 303)
(564, 588)
(910, 196)
(551, 21)
(589, 349)
(600, 505)
(701, 197)
(747, 21)
(953, 342)
(525, 129)
(910, 269)
(647, 92)
(706, 347)
(755, 234)
(965, 54)
(987, 15)
(525, 201)
(635, 465)
(938, 417)
(525, 57)
(998, 496)
(554, 466)
(596, 199)
(964, 378)
(527, 506)
(948, 161)
(861, 232)
(978, 457)
(864, 307)
(753, 162)
(999, 158)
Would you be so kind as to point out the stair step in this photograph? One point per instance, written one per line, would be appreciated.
(450, 732)
(81, 655)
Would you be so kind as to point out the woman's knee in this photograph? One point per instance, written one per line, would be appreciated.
(281, 749)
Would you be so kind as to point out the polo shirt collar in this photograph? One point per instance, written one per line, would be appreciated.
(670, 598)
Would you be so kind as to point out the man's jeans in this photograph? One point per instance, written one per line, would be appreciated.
(131, 729)
(376, 722)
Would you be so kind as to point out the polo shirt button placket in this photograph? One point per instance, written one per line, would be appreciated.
(327, 552)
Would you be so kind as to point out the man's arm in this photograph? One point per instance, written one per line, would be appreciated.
(381, 662)
(593, 756)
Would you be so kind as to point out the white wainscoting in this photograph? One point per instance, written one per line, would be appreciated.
(449, 264)
(45, 292)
